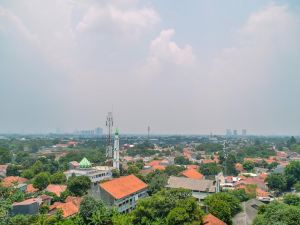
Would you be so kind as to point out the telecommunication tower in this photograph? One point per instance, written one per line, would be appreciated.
(116, 159)
(109, 125)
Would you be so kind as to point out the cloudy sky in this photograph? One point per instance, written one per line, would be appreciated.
(182, 67)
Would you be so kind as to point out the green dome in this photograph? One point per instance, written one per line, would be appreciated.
(84, 163)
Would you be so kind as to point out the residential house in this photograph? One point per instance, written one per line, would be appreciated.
(16, 182)
(123, 192)
(29, 206)
(200, 188)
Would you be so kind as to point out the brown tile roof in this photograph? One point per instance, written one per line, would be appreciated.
(123, 186)
(192, 173)
(12, 180)
(56, 188)
(31, 189)
(212, 220)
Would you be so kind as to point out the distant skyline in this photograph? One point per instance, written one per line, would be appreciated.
(181, 67)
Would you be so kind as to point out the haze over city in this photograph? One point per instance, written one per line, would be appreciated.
(182, 67)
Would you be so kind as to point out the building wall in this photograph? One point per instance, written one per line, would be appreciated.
(31, 209)
(125, 204)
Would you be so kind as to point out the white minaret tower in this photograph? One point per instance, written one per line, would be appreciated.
(116, 159)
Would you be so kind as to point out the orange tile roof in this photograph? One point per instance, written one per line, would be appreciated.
(31, 189)
(239, 167)
(212, 220)
(123, 186)
(192, 173)
(75, 200)
(155, 164)
(12, 180)
(261, 193)
(192, 166)
(56, 188)
(205, 161)
(68, 208)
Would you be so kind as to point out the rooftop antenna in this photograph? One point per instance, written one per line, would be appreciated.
(109, 125)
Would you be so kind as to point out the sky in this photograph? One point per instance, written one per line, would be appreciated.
(181, 67)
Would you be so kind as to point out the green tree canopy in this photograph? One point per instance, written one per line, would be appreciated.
(79, 185)
(41, 181)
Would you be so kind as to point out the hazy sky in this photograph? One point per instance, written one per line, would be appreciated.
(182, 67)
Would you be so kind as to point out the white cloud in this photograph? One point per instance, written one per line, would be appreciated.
(125, 19)
(249, 78)
(10, 23)
(164, 50)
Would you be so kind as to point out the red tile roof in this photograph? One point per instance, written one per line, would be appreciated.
(192, 173)
(212, 220)
(56, 188)
(123, 186)
(31, 189)
(261, 193)
(12, 180)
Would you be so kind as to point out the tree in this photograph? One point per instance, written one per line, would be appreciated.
(221, 210)
(248, 165)
(133, 169)
(174, 170)
(292, 173)
(58, 178)
(94, 211)
(277, 182)
(160, 208)
(41, 181)
(181, 160)
(28, 174)
(115, 173)
(12, 170)
(291, 199)
(5, 155)
(278, 213)
(210, 169)
(297, 186)
(230, 165)
(79, 185)
(156, 181)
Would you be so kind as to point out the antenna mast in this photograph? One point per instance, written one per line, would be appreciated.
(109, 125)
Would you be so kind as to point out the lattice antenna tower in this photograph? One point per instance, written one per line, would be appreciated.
(109, 125)
(225, 156)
